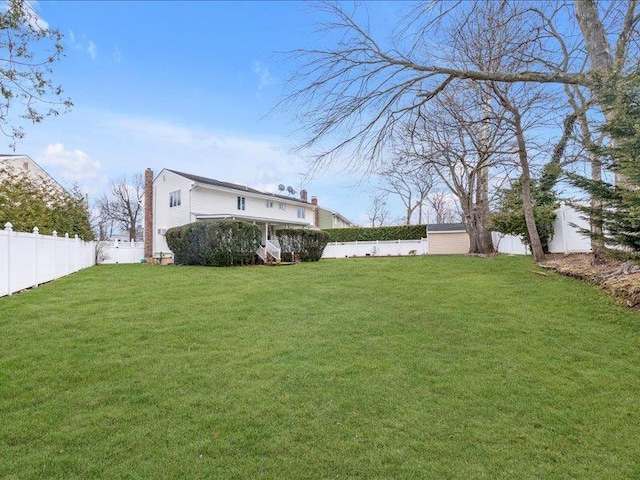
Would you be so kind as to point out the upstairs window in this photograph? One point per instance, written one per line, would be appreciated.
(269, 203)
(174, 199)
(241, 203)
(282, 206)
(301, 212)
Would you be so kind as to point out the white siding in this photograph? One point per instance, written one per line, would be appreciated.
(201, 200)
(206, 201)
(448, 242)
(340, 223)
(210, 201)
(165, 217)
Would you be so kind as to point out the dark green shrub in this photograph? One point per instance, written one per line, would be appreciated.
(301, 245)
(361, 234)
(219, 243)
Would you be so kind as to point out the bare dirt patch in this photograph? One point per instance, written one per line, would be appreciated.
(621, 278)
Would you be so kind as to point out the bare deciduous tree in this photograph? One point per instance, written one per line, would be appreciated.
(123, 205)
(102, 223)
(362, 90)
(462, 140)
(378, 213)
(443, 208)
(411, 182)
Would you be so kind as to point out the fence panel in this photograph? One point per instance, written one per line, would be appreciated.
(4, 263)
(120, 252)
(567, 238)
(509, 244)
(46, 256)
(22, 262)
(375, 248)
(29, 259)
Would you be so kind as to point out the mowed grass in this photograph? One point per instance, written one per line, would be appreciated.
(424, 367)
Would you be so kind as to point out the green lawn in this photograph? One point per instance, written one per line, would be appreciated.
(422, 367)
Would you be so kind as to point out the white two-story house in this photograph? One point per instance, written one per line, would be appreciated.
(180, 198)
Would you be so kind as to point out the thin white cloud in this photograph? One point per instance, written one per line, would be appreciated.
(257, 162)
(92, 50)
(83, 44)
(73, 166)
(264, 76)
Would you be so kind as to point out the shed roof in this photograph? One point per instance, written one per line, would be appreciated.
(445, 227)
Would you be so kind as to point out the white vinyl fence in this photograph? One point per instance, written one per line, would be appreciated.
(29, 259)
(566, 238)
(120, 252)
(376, 248)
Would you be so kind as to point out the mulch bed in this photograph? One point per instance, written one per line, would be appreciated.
(621, 278)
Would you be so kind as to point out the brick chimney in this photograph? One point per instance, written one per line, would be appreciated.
(316, 211)
(303, 195)
(148, 214)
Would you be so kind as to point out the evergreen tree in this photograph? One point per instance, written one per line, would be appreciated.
(26, 203)
(618, 213)
(509, 218)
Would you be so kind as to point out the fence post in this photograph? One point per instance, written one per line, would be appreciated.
(54, 234)
(76, 253)
(8, 228)
(565, 230)
(66, 254)
(36, 260)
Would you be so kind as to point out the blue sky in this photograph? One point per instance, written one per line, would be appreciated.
(184, 85)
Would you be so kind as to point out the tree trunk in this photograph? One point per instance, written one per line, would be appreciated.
(482, 183)
(482, 211)
(527, 201)
(594, 35)
(597, 46)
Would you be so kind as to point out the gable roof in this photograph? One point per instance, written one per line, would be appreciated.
(35, 172)
(445, 227)
(341, 217)
(233, 186)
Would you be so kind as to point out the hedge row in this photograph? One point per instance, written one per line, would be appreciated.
(218, 243)
(301, 245)
(360, 234)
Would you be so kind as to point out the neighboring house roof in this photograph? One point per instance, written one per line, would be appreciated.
(445, 227)
(336, 214)
(233, 186)
(30, 167)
